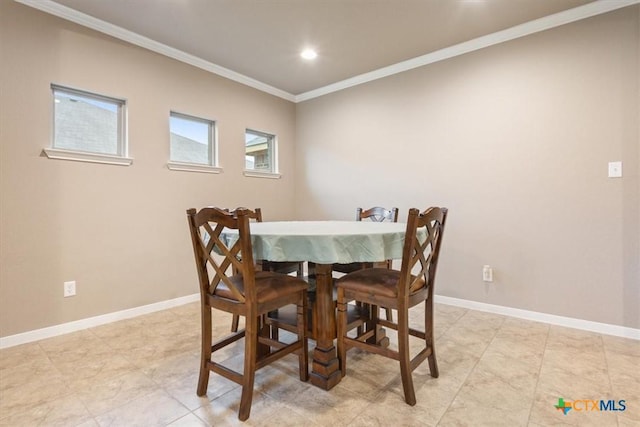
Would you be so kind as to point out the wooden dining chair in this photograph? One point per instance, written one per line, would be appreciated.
(376, 214)
(284, 267)
(401, 290)
(229, 282)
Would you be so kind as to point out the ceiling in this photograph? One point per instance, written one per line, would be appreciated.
(258, 42)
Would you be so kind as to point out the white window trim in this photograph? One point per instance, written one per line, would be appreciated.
(81, 156)
(122, 159)
(255, 174)
(193, 167)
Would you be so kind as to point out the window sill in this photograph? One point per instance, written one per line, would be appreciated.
(80, 156)
(192, 167)
(256, 174)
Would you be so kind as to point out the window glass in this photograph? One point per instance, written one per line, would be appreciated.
(88, 122)
(259, 151)
(191, 139)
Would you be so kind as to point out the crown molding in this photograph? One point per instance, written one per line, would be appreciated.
(88, 21)
(561, 18)
(581, 12)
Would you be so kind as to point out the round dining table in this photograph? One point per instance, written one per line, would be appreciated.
(325, 243)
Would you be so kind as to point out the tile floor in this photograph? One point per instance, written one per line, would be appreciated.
(494, 371)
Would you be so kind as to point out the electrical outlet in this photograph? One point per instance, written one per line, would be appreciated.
(487, 273)
(615, 169)
(69, 288)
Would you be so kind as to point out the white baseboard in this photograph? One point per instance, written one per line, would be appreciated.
(65, 328)
(569, 322)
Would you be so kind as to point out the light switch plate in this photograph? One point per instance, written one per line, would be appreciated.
(615, 169)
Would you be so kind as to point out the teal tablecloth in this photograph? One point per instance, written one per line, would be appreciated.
(325, 242)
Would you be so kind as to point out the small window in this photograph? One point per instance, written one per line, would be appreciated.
(89, 125)
(192, 140)
(260, 151)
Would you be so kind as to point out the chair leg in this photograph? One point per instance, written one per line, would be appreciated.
(303, 357)
(205, 351)
(234, 323)
(405, 357)
(372, 323)
(361, 307)
(433, 363)
(275, 332)
(342, 331)
(248, 376)
(430, 342)
(388, 311)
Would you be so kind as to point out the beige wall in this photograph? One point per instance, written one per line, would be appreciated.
(515, 140)
(120, 232)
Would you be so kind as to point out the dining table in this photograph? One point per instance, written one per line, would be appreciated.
(322, 244)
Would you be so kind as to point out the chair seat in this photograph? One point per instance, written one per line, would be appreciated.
(351, 267)
(284, 267)
(373, 281)
(269, 286)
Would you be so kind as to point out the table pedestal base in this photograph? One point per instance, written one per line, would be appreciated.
(325, 369)
(380, 338)
(325, 372)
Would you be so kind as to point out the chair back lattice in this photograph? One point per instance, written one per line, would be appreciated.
(420, 257)
(220, 257)
(377, 214)
(255, 214)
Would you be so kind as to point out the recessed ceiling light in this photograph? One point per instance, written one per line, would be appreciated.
(309, 54)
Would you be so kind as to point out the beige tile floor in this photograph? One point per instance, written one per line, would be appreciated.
(494, 371)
